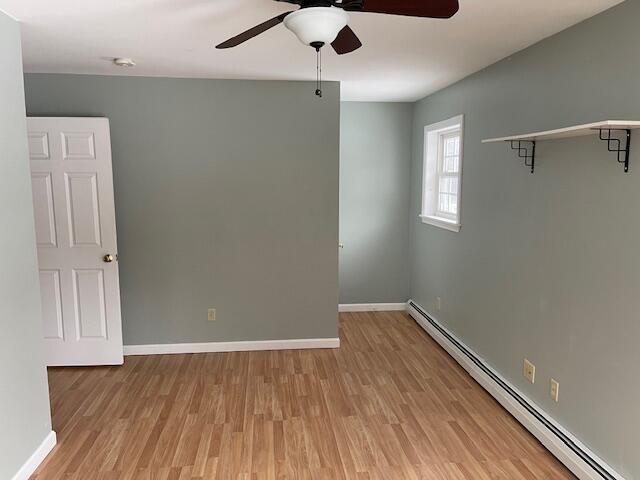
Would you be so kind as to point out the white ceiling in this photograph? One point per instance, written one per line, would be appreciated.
(402, 59)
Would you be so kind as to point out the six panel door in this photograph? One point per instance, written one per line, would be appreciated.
(74, 211)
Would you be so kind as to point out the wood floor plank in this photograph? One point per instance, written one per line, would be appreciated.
(389, 404)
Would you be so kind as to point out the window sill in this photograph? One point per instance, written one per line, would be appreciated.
(441, 223)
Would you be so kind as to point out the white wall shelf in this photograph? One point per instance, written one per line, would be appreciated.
(525, 144)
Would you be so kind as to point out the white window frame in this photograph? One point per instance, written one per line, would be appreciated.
(434, 135)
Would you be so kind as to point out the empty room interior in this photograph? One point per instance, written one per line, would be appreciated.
(319, 239)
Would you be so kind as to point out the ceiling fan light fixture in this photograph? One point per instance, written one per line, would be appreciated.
(317, 24)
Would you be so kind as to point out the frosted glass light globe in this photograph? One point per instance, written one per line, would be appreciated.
(317, 24)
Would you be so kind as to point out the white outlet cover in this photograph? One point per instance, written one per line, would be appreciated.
(529, 371)
(554, 390)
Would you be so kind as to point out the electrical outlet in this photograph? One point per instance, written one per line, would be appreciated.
(554, 390)
(529, 371)
(211, 314)
(438, 303)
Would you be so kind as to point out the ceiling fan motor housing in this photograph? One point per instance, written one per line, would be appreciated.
(317, 24)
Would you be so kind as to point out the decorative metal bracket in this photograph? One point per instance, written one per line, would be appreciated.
(528, 152)
(614, 144)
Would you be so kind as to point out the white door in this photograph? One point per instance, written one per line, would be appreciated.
(76, 235)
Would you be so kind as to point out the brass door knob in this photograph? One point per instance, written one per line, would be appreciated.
(108, 258)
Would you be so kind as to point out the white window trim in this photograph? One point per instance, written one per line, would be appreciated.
(426, 216)
(441, 222)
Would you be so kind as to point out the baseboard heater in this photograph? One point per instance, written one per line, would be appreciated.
(516, 396)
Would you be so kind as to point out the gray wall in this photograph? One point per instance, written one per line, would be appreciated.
(226, 196)
(375, 164)
(547, 266)
(24, 395)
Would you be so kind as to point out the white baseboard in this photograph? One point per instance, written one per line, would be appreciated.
(36, 457)
(534, 419)
(245, 346)
(372, 307)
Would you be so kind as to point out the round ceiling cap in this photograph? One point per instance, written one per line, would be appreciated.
(124, 62)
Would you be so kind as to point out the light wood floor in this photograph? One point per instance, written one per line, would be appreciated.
(389, 404)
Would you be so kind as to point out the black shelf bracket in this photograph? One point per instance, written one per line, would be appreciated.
(614, 144)
(526, 151)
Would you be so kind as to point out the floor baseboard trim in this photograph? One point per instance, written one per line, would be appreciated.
(582, 462)
(36, 457)
(372, 307)
(243, 346)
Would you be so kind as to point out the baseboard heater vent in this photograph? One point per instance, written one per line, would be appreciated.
(516, 396)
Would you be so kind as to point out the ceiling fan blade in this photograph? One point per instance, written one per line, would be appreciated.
(252, 32)
(411, 8)
(346, 41)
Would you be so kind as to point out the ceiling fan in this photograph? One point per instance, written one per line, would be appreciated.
(320, 22)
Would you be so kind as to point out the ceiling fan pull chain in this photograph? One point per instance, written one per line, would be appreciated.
(319, 72)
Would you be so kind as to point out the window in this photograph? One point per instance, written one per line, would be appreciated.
(442, 174)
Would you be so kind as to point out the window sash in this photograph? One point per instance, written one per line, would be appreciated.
(444, 155)
(443, 173)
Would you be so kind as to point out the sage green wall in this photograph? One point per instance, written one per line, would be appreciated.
(547, 266)
(226, 196)
(375, 164)
(24, 395)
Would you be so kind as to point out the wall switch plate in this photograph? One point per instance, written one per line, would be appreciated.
(211, 314)
(438, 303)
(554, 390)
(529, 371)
